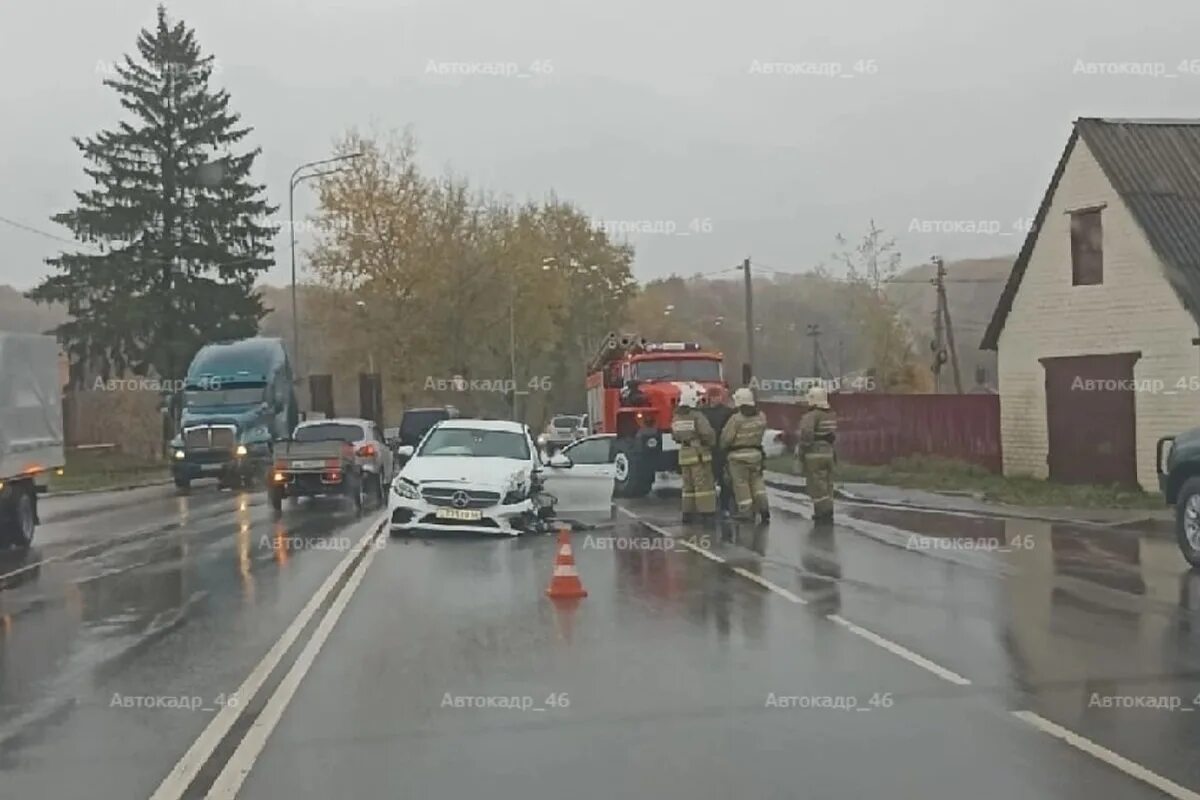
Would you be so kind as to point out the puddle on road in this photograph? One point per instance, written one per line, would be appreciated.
(1130, 561)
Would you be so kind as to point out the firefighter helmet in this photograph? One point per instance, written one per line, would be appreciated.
(743, 397)
(689, 397)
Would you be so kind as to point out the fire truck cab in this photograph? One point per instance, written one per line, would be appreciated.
(633, 387)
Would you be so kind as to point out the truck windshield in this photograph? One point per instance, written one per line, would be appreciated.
(677, 369)
(230, 396)
(475, 444)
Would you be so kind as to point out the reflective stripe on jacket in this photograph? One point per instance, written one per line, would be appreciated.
(817, 432)
(742, 437)
(695, 436)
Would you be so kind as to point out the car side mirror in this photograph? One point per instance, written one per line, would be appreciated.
(560, 461)
(405, 451)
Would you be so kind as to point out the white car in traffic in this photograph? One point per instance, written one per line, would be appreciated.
(487, 477)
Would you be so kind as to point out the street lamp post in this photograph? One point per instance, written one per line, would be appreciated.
(370, 348)
(295, 181)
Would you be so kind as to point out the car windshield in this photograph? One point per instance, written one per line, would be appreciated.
(338, 431)
(475, 443)
(676, 369)
(565, 421)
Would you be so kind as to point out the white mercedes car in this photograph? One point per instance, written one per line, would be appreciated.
(487, 476)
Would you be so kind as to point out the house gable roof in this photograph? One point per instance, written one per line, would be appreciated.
(1154, 167)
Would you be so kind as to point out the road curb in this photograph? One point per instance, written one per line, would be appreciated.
(104, 490)
(1141, 525)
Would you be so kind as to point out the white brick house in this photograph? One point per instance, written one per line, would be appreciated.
(1109, 271)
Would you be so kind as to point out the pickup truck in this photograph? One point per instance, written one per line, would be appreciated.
(31, 430)
(327, 467)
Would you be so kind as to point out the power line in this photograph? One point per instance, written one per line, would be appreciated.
(77, 243)
(810, 274)
(39, 232)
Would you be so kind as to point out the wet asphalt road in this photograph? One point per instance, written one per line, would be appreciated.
(792, 661)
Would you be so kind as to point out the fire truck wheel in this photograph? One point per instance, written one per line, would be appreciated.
(632, 478)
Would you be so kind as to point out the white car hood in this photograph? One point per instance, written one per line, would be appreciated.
(496, 473)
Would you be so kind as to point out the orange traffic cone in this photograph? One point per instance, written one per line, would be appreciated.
(565, 584)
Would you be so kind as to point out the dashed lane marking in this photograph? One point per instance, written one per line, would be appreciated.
(857, 630)
(900, 650)
(661, 531)
(1130, 768)
(766, 584)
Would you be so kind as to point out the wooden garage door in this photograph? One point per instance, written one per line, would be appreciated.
(1090, 418)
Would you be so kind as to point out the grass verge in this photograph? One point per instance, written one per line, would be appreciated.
(105, 469)
(946, 475)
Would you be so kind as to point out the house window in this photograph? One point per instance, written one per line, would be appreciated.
(1087, 248)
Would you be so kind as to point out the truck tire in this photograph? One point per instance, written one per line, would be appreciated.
(18, 517)
(1187, 520)
(633, 478)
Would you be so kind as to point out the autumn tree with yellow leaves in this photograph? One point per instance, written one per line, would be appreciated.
(448, 290)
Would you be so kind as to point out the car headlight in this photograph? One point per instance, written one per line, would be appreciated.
(241, 450)
(179, 455)
(405, 489)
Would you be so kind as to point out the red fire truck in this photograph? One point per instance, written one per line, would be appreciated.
(632, 389)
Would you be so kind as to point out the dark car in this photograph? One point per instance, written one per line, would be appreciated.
(1179, 480)
(416, 422)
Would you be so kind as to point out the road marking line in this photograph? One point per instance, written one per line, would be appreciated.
(709, 554)
(874, 638)
(184, 772)
(1130, 768)
(900, 650)
(238, 768)
(766, 584)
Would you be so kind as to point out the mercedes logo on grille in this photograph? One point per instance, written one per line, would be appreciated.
(460, 499)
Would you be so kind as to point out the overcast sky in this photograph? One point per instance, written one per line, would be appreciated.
(663, 112)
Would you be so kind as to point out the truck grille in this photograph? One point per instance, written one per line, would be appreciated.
(209, 437)
(445, 497)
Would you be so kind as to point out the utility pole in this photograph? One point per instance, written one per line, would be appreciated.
(814, 333)
(938, 349)
(748, 367)
(944, 311)
(512, 346)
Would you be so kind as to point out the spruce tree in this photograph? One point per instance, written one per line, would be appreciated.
(175, 232)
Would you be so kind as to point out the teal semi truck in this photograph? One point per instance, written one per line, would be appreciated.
(238, 399)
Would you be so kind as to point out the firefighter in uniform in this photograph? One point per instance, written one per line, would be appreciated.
(741, 439)
(814, 451)
(696, 439)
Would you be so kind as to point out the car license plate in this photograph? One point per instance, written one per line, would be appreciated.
(307, 464)
(210, 467)
(461, 514)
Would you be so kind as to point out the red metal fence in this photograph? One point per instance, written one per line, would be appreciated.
(878, 428)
